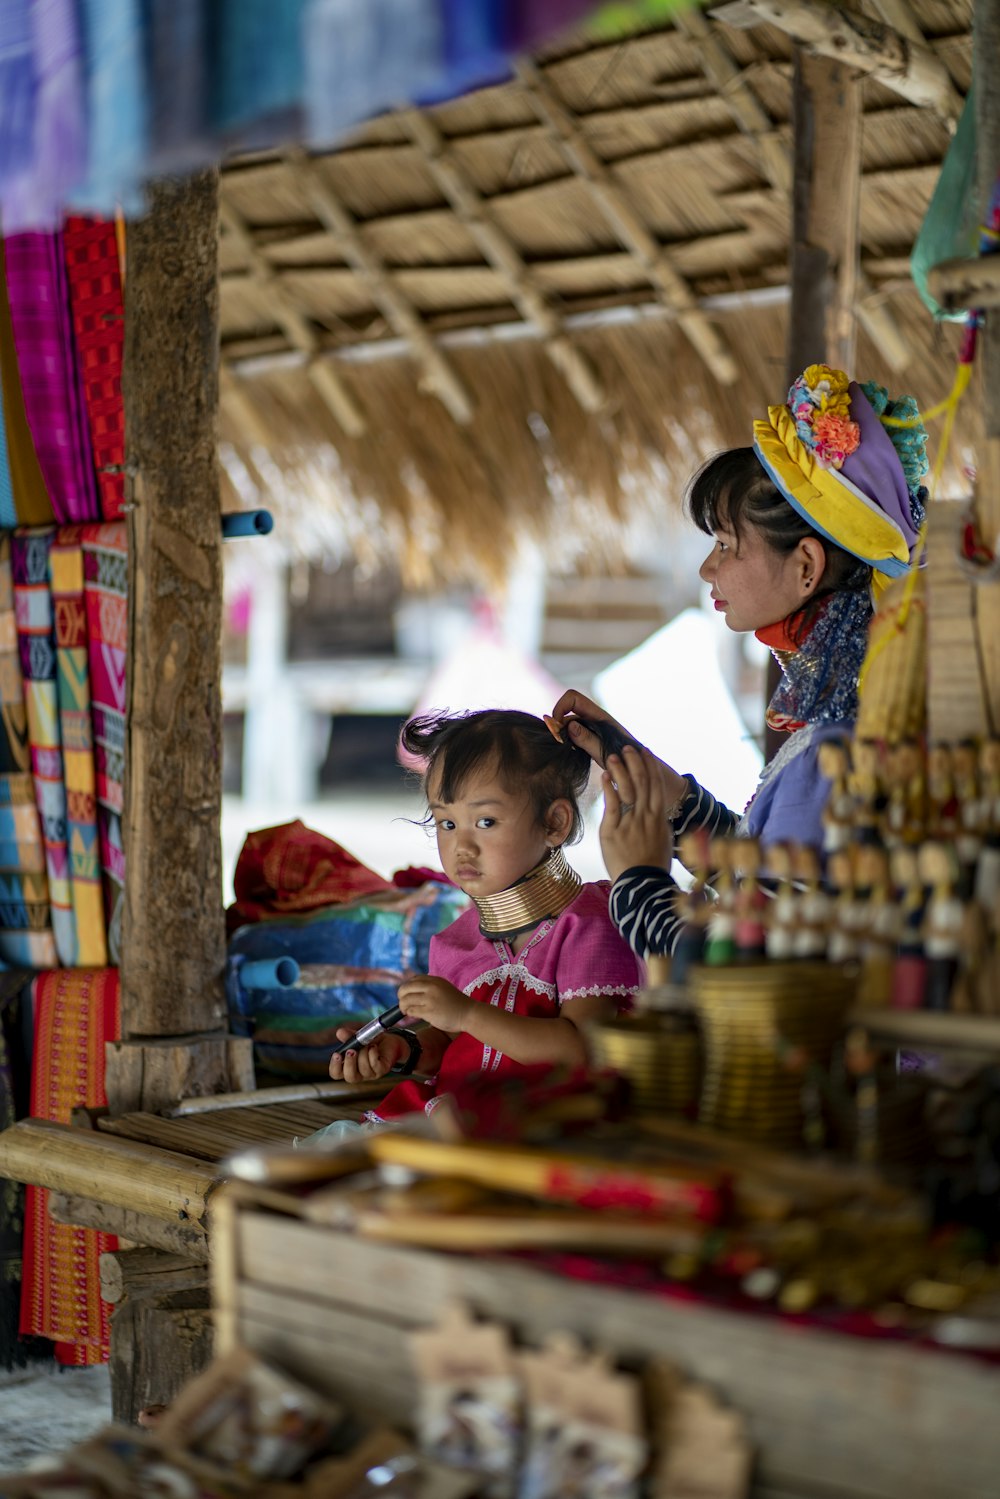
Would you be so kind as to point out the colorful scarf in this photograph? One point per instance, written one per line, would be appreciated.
(36, 644)
(76, 735)
(105, 566)
(76, 1015)
(819, 672)
(34, 197)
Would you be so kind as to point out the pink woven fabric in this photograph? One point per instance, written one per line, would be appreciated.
(46, 352)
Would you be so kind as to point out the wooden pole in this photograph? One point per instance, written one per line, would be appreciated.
(173, 941)
(825, 262)
(985, 55)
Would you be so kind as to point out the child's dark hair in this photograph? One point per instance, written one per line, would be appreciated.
(516, 745)
(733, 491)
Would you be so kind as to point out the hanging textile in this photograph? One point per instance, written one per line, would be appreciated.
(31, 499)
(76, 1014)
(35, 198)
(76, 735)
(255, 51)
(8, 515)
(117, 112)
(50, 381)
(26, 937)
(361, 59)
(17, 91)
(15, 1097)
(98, 313)
(105, 551)
(176, 47)
(33, 607)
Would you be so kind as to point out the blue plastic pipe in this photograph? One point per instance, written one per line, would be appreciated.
(247, 523)
(269, 973)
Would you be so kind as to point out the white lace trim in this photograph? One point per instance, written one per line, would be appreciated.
(793, 746)
(517, 974)
(597, 989)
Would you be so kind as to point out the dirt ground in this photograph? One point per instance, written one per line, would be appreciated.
(44, 1410)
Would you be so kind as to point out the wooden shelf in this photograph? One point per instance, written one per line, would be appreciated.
(933, 1028)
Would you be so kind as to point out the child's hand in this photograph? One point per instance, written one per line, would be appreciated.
(634, 828)
(436, 1001)
(369, 1063)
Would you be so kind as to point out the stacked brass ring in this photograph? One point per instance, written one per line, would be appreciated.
(659, 1054)
(766, 1028)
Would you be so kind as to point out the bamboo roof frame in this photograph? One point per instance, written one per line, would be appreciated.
(620, 212)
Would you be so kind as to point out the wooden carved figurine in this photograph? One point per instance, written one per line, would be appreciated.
(942, 806)
(944, 921)
(988, 870)
(838, 814)
(909, 976)
(843, 943)
(812, 927)
(969, 812)
(906, 812)
(783, 913)
(865, 785)
(882, 930)
(720, 943)
(751, 901)
(694, 905)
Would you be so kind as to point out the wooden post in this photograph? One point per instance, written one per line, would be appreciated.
(985, 52)
(825, 260)
(173, 939)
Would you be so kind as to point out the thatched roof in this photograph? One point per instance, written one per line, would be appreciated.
(551, 299)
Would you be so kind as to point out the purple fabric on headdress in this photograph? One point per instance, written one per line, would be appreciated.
(34, 198)
(874, 466)
(46, 352)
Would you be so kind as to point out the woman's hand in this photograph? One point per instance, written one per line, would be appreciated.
(634, 828)
(370, 1062)
(573, 705)
(435, 1001)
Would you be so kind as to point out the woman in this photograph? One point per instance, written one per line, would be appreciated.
(808, 525)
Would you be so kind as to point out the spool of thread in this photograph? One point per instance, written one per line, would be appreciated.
(247, 523)
(269, 973)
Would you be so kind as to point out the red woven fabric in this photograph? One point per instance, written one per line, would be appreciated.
(95, 296)
(289, 869)
(76, 1013)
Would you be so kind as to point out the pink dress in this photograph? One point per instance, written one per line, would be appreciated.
(579, 953)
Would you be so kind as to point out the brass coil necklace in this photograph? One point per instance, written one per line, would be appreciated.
(540, 895)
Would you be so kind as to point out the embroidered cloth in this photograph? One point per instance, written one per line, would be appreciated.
(76, 1013)
(580, 953)
(26, 937)
(105, 575)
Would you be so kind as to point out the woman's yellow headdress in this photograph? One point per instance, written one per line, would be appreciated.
(834, 462)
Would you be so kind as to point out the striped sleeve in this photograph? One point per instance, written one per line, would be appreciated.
(699, 809)
(645, 908)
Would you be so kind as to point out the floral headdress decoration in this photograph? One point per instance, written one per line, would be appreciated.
(830, 456)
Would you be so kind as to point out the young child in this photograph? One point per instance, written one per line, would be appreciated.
(536, 955)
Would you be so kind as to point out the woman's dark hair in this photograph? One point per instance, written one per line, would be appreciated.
(517, 746)
(733, 491)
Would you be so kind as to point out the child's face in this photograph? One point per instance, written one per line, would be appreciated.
(488, 837)
(752, 584)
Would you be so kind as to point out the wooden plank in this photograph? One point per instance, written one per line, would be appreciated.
(908, 67)
(830, 1415)
(156, 1348)
(173, 938)
(152, 1073)
(285, 1093)
(186, 1238)
(135, 1273)
(90, 1163)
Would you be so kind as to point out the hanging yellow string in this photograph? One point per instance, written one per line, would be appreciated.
(963, 375)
